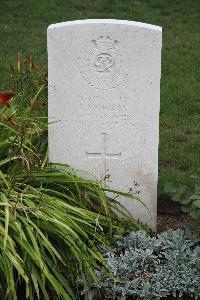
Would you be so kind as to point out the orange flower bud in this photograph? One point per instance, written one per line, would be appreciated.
(11, 121)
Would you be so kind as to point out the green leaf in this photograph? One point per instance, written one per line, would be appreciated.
(197, 203)
(195, 214)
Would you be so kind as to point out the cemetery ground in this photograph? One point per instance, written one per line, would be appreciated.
(53, 223)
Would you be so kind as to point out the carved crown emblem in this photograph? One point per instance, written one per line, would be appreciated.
(104, 62)
(105, 41)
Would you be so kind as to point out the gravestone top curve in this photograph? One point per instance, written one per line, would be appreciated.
(106, 21)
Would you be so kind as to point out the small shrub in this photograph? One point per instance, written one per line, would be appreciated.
(147, 268)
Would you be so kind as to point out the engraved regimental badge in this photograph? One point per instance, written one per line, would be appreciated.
(104, 63)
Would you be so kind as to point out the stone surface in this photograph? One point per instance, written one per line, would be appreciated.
(104, 95)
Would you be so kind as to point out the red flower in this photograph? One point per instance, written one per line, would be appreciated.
(31, 64)
(5, 97)
(11, 121)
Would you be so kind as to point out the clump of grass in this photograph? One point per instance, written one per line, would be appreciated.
(48, 240)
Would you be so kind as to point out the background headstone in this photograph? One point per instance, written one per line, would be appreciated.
(104, 96)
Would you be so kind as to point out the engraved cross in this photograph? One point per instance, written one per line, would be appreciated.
(103, 154)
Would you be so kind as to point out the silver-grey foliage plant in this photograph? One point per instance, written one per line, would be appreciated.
(145, 267)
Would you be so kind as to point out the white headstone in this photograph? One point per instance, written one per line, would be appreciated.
(104, 93)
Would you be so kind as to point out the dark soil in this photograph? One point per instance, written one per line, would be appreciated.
(170, 216)
(172, 222)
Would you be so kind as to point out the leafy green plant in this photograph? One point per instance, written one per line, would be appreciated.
(49, 233)
(147, 268)
(23, 118)
(189, 198)
(51, 220)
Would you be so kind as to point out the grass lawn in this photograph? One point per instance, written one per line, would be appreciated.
(23, 26)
